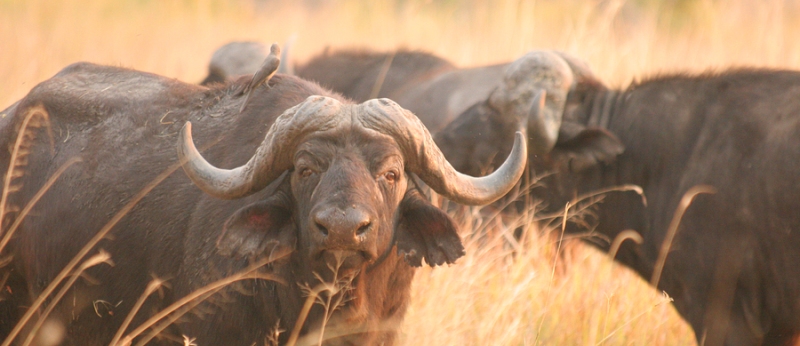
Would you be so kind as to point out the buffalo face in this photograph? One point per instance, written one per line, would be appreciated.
(346, 189)
(344, 193)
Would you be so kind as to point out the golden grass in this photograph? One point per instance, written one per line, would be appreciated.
(176, 38)
(493, 298)
(489, 297)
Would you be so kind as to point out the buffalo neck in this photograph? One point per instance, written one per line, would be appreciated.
(637, 165)
(600, 107)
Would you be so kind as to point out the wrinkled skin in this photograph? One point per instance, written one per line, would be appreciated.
(731, 267)
(347, 195)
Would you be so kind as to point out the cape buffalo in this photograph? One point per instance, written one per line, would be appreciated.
(332, 183)
(731, 266)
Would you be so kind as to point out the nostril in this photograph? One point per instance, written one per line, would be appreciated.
(364, 228)
(321, 228)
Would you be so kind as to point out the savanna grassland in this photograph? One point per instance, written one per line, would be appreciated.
(490, 297)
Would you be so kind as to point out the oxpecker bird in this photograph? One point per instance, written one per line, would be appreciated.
(262, 76)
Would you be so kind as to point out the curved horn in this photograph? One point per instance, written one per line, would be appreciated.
(540, 132)
(524, 79)
(272, 157)
(425, 159)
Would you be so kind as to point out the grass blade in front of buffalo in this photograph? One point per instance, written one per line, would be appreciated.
(333, 301)
(312, 297)
(684, 204)
(248, 273)
(102, 257)
(11, 230)
(154, 285)
(166, 322)
(565, 215)
(85, 250)
(34, 118)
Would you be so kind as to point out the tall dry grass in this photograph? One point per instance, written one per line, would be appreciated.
(620, 39)
(490, 296)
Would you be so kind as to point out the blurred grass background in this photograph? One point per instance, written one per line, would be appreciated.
(489, 297)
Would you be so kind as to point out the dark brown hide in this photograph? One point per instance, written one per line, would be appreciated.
(124, 125)
(732, 266)
(427, 85)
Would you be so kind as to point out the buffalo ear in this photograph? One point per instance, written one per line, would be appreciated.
(425, 231)
(261, 228)
(580, 147)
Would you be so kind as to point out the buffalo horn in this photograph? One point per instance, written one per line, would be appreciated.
(426, 159)
(319, 113)
(272, 157)
(524, 79)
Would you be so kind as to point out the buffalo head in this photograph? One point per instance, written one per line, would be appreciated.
(569, 145)
(346, 191)
(546, 88)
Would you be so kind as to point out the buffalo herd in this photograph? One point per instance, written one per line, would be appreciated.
(318, 181)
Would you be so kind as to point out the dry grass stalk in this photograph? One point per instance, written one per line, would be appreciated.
(666, 299)
(590, 195)
(313, 338)
(86, 248)
(102, 257)
(313, 294)
(621, 40)
(566, 215)
(18, 220)
(510, 281)
(34, 118)
(153, 286)
(334, 299)
(564, 218)
(187, 341)
(620, 238)
(251, 272)
(169, 320)
(684, 204)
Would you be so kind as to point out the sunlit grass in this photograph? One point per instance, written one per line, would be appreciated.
(490, 296)
(496, 296)
(621, 40)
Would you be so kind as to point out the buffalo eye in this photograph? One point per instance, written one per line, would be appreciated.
(306, 172)
(390, 176)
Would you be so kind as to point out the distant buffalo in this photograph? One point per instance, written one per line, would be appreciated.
(307, 173)
(234, 60)
(730, 139)
(400, 76)
(431, 87)
(731, 267)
